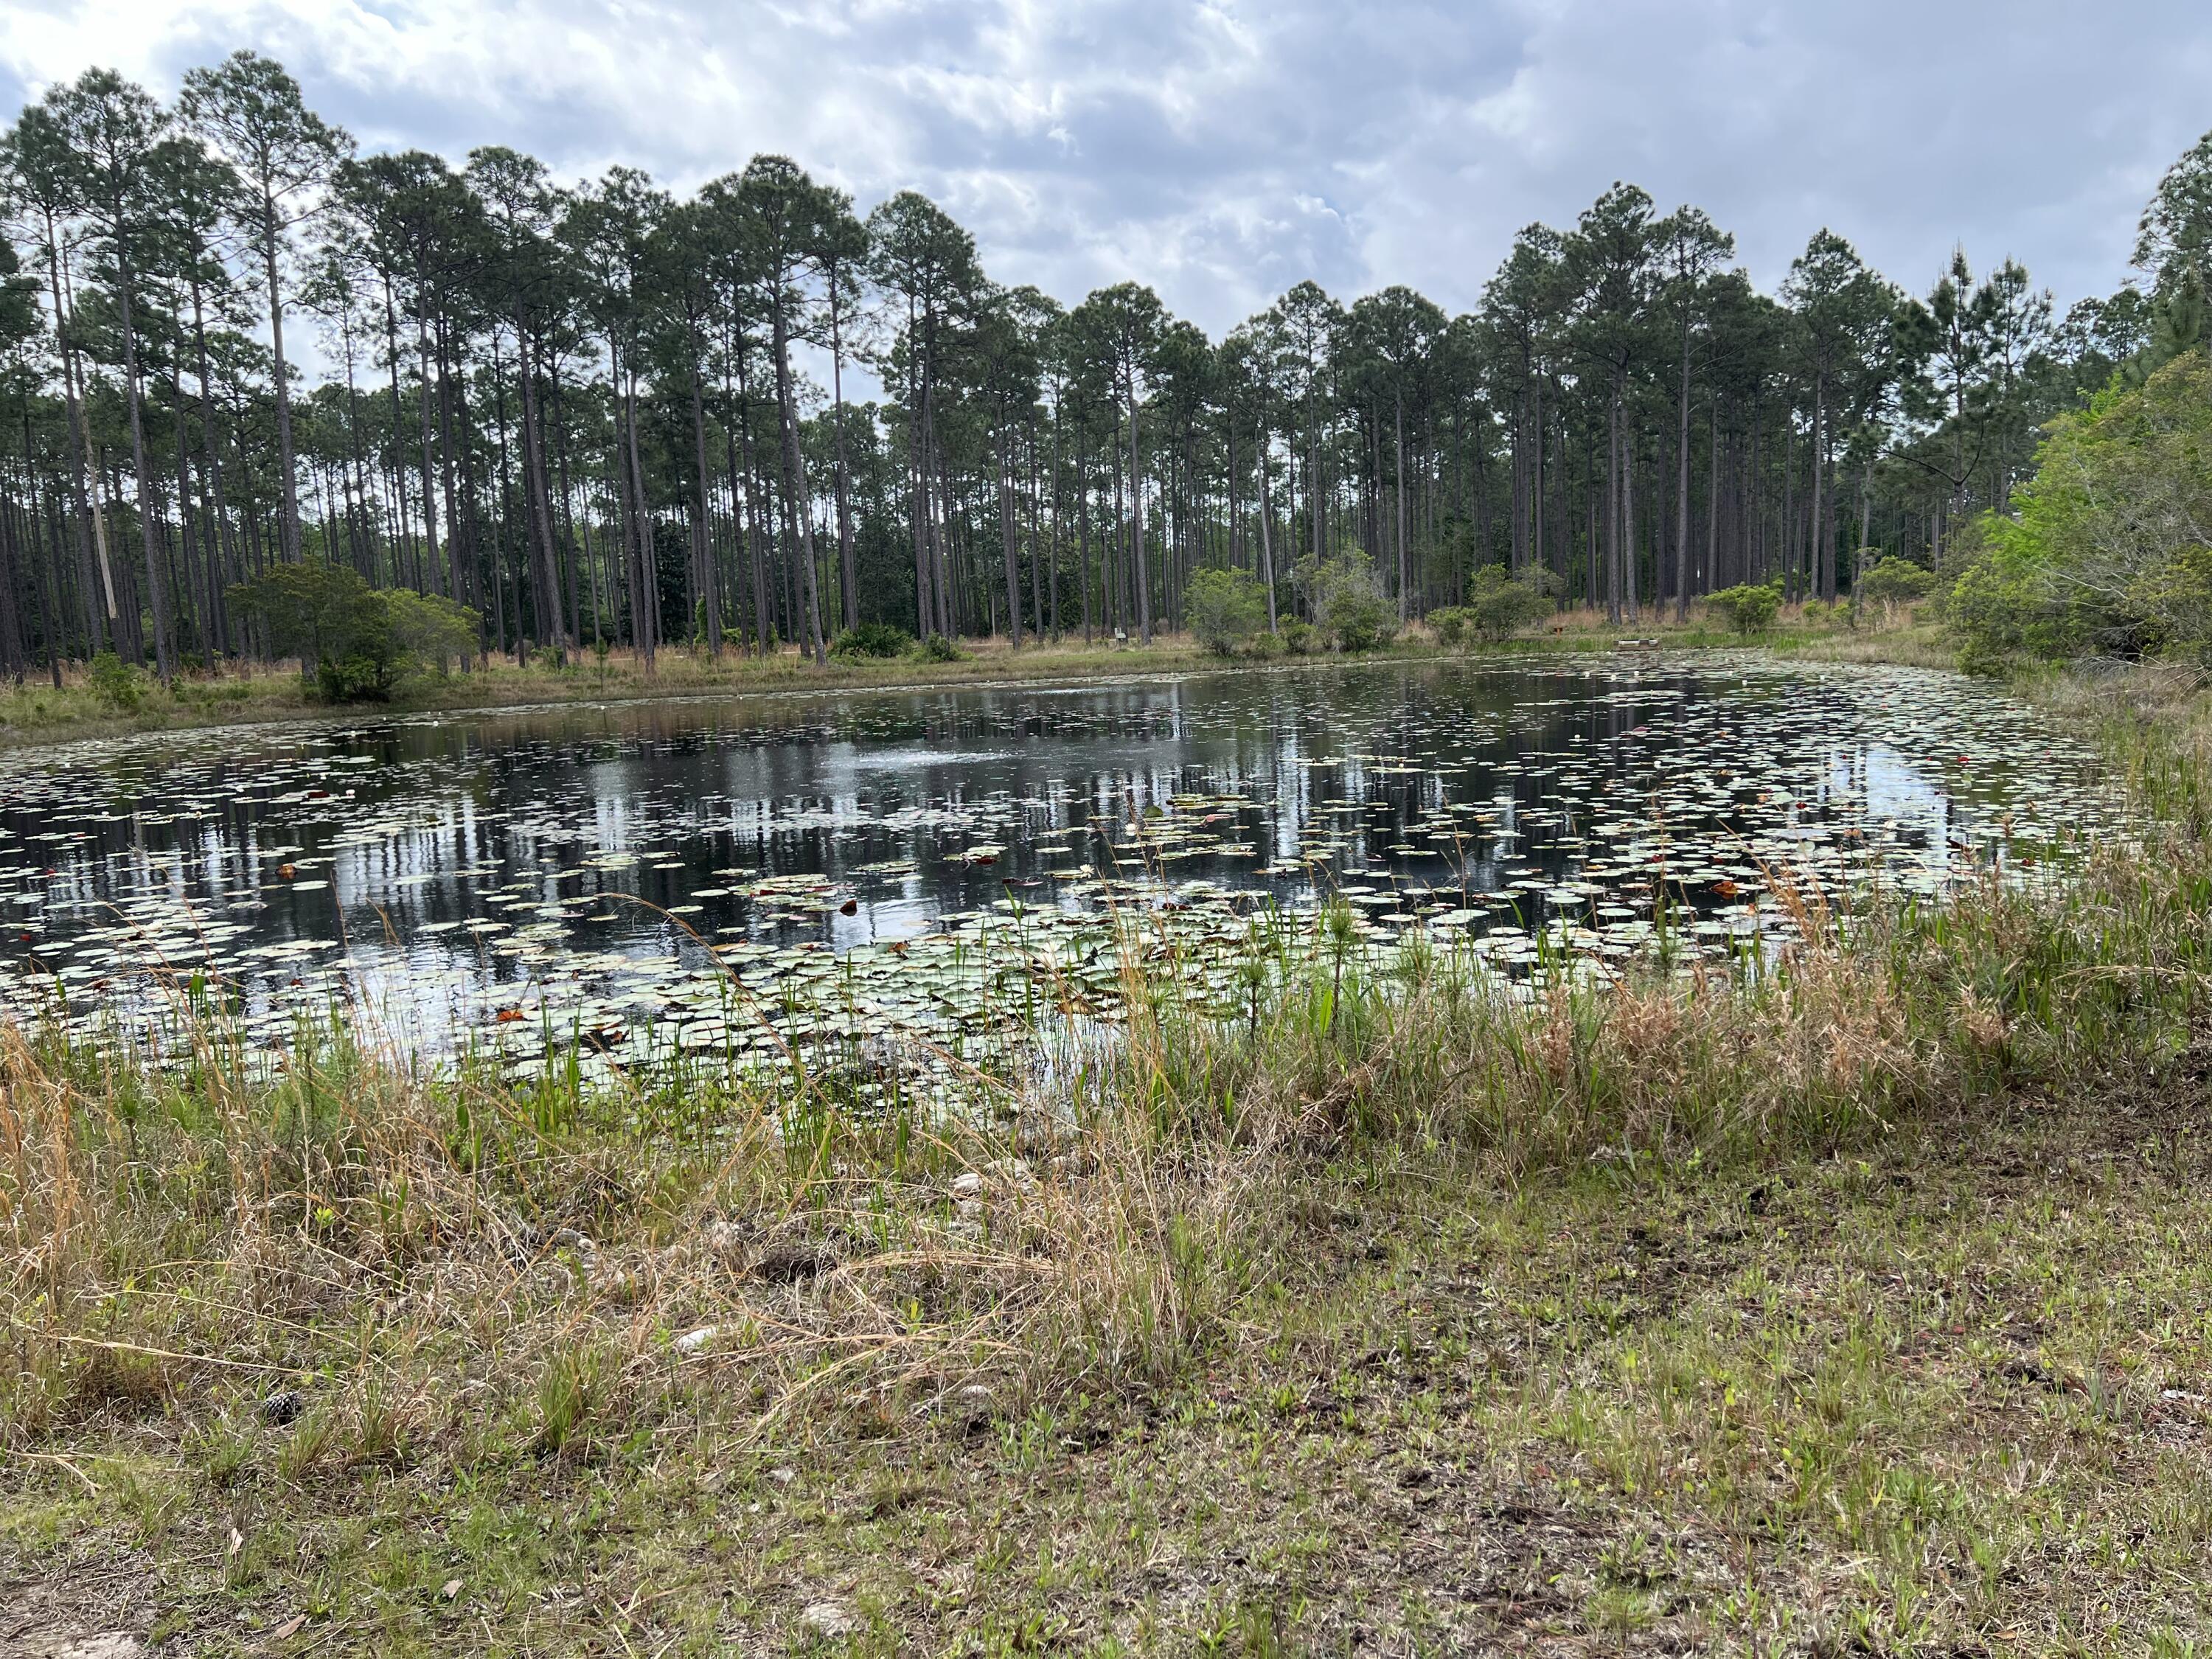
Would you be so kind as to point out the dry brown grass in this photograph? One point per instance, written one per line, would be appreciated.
(468, 1260)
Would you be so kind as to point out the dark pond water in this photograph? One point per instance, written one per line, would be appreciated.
(595, 870)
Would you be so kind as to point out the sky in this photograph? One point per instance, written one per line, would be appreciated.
(1222, 151)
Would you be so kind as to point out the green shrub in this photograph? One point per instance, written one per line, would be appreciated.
(1225, 609)
(1894, 580)
(938, 648)
(116, 682)
(430, 631)
(355, 641)
(1450, 623)
(1748, 608)
(871, 639)
(1349, 606)
(361, 676)
(1361, 620)
(1500, 603)
(1301, 638)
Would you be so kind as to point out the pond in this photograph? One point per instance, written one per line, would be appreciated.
(938, 866)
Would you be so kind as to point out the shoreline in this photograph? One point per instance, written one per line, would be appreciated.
(505, 689)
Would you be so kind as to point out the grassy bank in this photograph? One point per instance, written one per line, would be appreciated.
(39, 712)
(1854, 1307)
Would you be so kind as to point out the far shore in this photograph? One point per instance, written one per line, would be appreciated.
(247, 693)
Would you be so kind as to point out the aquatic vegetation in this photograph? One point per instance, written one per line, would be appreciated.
(951, 879)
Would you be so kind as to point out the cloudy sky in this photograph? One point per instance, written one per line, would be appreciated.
(1222, 151)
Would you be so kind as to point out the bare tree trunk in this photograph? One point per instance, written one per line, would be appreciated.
(1083, 520)
(1266, 538)
(1613, 511)
(1037, 579)
(156, 588)
(1629, 558)
(703, 523)
(1822, 559)
(1405, 553)
(644, 599)
(796, 517)
(848, 570)
(1682, 490)
(1710, 576)
(756, 536)
(92, 532)
(1052, 530)
(1006, 540)
(430, 491)
(223, 551)
(290, 525)
(1141, 570)
(549, 617)
(1537, 549)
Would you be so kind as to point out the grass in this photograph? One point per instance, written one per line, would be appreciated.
(39, 712)
(1857, 1306)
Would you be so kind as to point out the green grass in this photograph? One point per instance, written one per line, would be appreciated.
(1858, 1306)
(1912, 1399)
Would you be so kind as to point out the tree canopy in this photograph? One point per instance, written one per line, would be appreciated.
(587, 411)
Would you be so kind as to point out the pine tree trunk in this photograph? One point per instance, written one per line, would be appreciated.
(1405, 553)
(1006, 538)
(156, 588)
(1266, 538)
(797, 519)
(849, 571)
(290, 525)
(1682, 490)
(1139, 570)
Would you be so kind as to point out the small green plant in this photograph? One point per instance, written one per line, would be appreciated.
(1748, 609)
(567, 1390)
(871, 639)
(116, 682)
(1450, 623)
(1300, 639)
(938, 648)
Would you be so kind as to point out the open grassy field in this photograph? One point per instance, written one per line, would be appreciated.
(1858, 1306)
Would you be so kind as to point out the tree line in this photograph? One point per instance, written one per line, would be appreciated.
(562, 417)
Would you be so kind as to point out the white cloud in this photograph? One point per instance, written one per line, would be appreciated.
(1222, 150)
